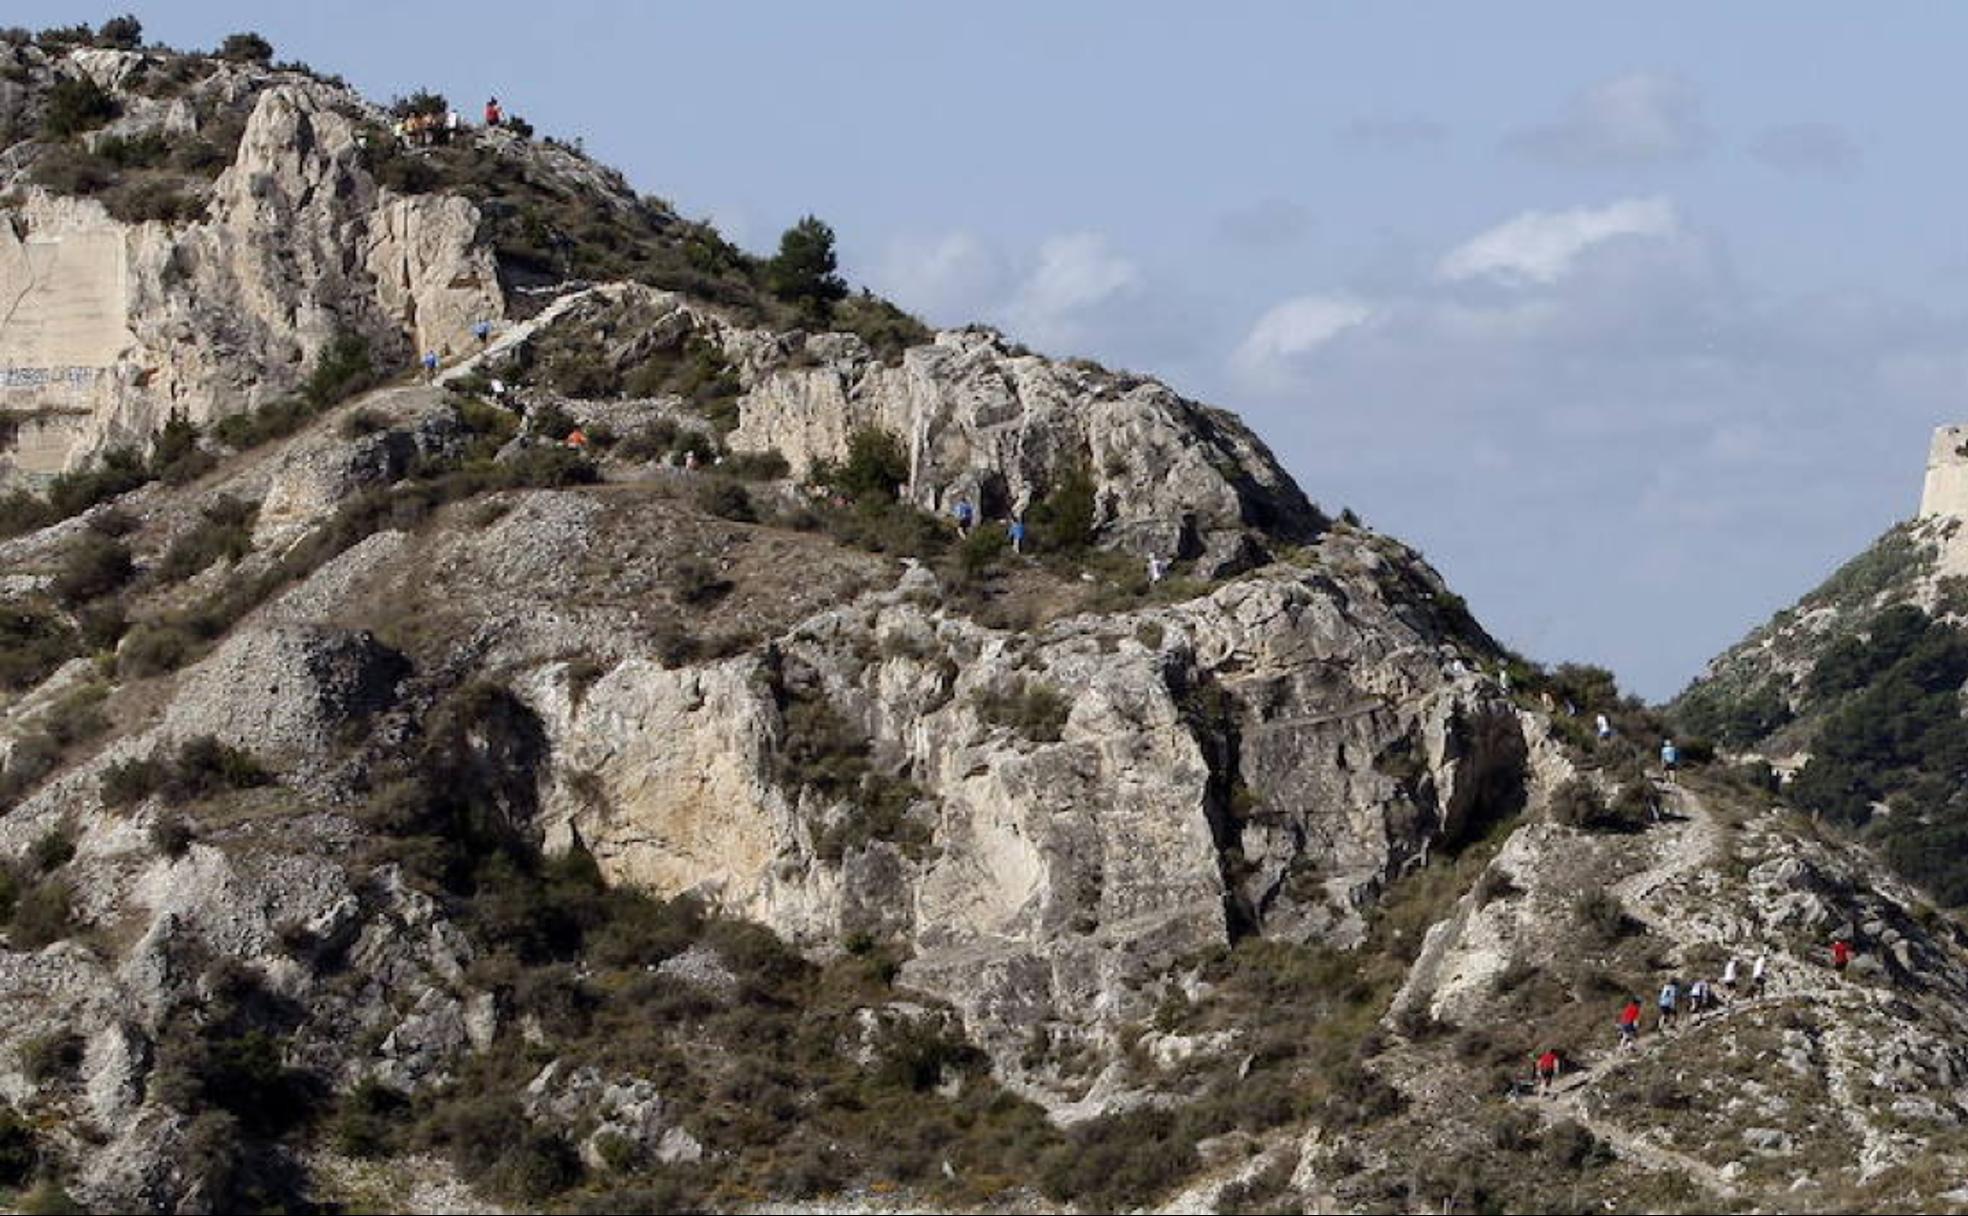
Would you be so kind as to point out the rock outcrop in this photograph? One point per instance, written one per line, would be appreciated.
(110, 326)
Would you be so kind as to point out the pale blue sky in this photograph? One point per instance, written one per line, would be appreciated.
(1633, 319)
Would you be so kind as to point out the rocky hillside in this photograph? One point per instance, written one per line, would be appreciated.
(1853, 697)
(601, 776)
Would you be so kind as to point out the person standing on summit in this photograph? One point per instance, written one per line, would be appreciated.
(493, 115)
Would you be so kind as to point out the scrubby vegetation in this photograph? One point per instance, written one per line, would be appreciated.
(345, 367)
(824, 755)
(201, 767)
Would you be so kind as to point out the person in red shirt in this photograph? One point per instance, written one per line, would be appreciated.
(1841, 953)
(1547, 1070)
(492, 114)
(1629, 1022)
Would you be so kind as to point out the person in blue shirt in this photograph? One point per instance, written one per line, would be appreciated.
(965, 516)
(1670, 758)
(1018, 535)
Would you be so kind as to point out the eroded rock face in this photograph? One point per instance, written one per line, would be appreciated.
(129, 322)
(986, 422)
(1069, 814)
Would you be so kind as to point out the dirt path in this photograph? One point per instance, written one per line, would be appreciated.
(1579, 1102)
(1687, 840)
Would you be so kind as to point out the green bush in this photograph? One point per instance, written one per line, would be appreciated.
(33, 642)
(76, 104)
(246, 47)
(74, 170)
(1034, 710)
(53, 849)
(727, 500)
(161, 199)
(886, 329)
(201, 768)
(94, 566)
(1064, 519)
(224, 533)
(877, 466)
(153, 648)
(1119, 1162)
(696, 583)
(1600, 913)
(50, 1057)
(372, 1120)
(20, 1151)
(171, 836)
(77, 717)
(123, 33)
(119, 471)
(41, 915)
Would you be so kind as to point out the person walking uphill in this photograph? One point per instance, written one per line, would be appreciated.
(1629, 1023)
(1670, 759)
(1548, 1065)
(1670, 997)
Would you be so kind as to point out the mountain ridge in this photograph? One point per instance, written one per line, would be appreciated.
(629, 785)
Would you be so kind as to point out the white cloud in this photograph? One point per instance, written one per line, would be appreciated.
(1638, 118)
(1077, 275)
(1292, 330)
(1541, 246)
(951, 279)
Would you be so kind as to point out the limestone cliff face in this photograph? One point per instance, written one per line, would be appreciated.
(108, 327)
(1261, 759)
(986, 421)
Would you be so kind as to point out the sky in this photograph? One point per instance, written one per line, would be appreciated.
(1634, 320)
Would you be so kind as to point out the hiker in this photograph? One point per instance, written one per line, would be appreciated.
(430, 364)
(1669, 997)
(577, 438)
(965, 514)
(1155, 569)
(1700, 998)
(690, 460)
(1604, 728)
(1730, 976)
(1629, 1023)
(492, 112)
(1759, 975)
(451, 125)
(482, 330)
(1670, 758)
(1548, 1066)
(1018, 535)
(498, 388)
(1841, 954)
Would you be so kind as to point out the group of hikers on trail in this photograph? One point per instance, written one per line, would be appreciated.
(428, 128)
(1697, 998)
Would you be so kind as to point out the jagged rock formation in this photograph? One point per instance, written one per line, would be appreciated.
(109, 326)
